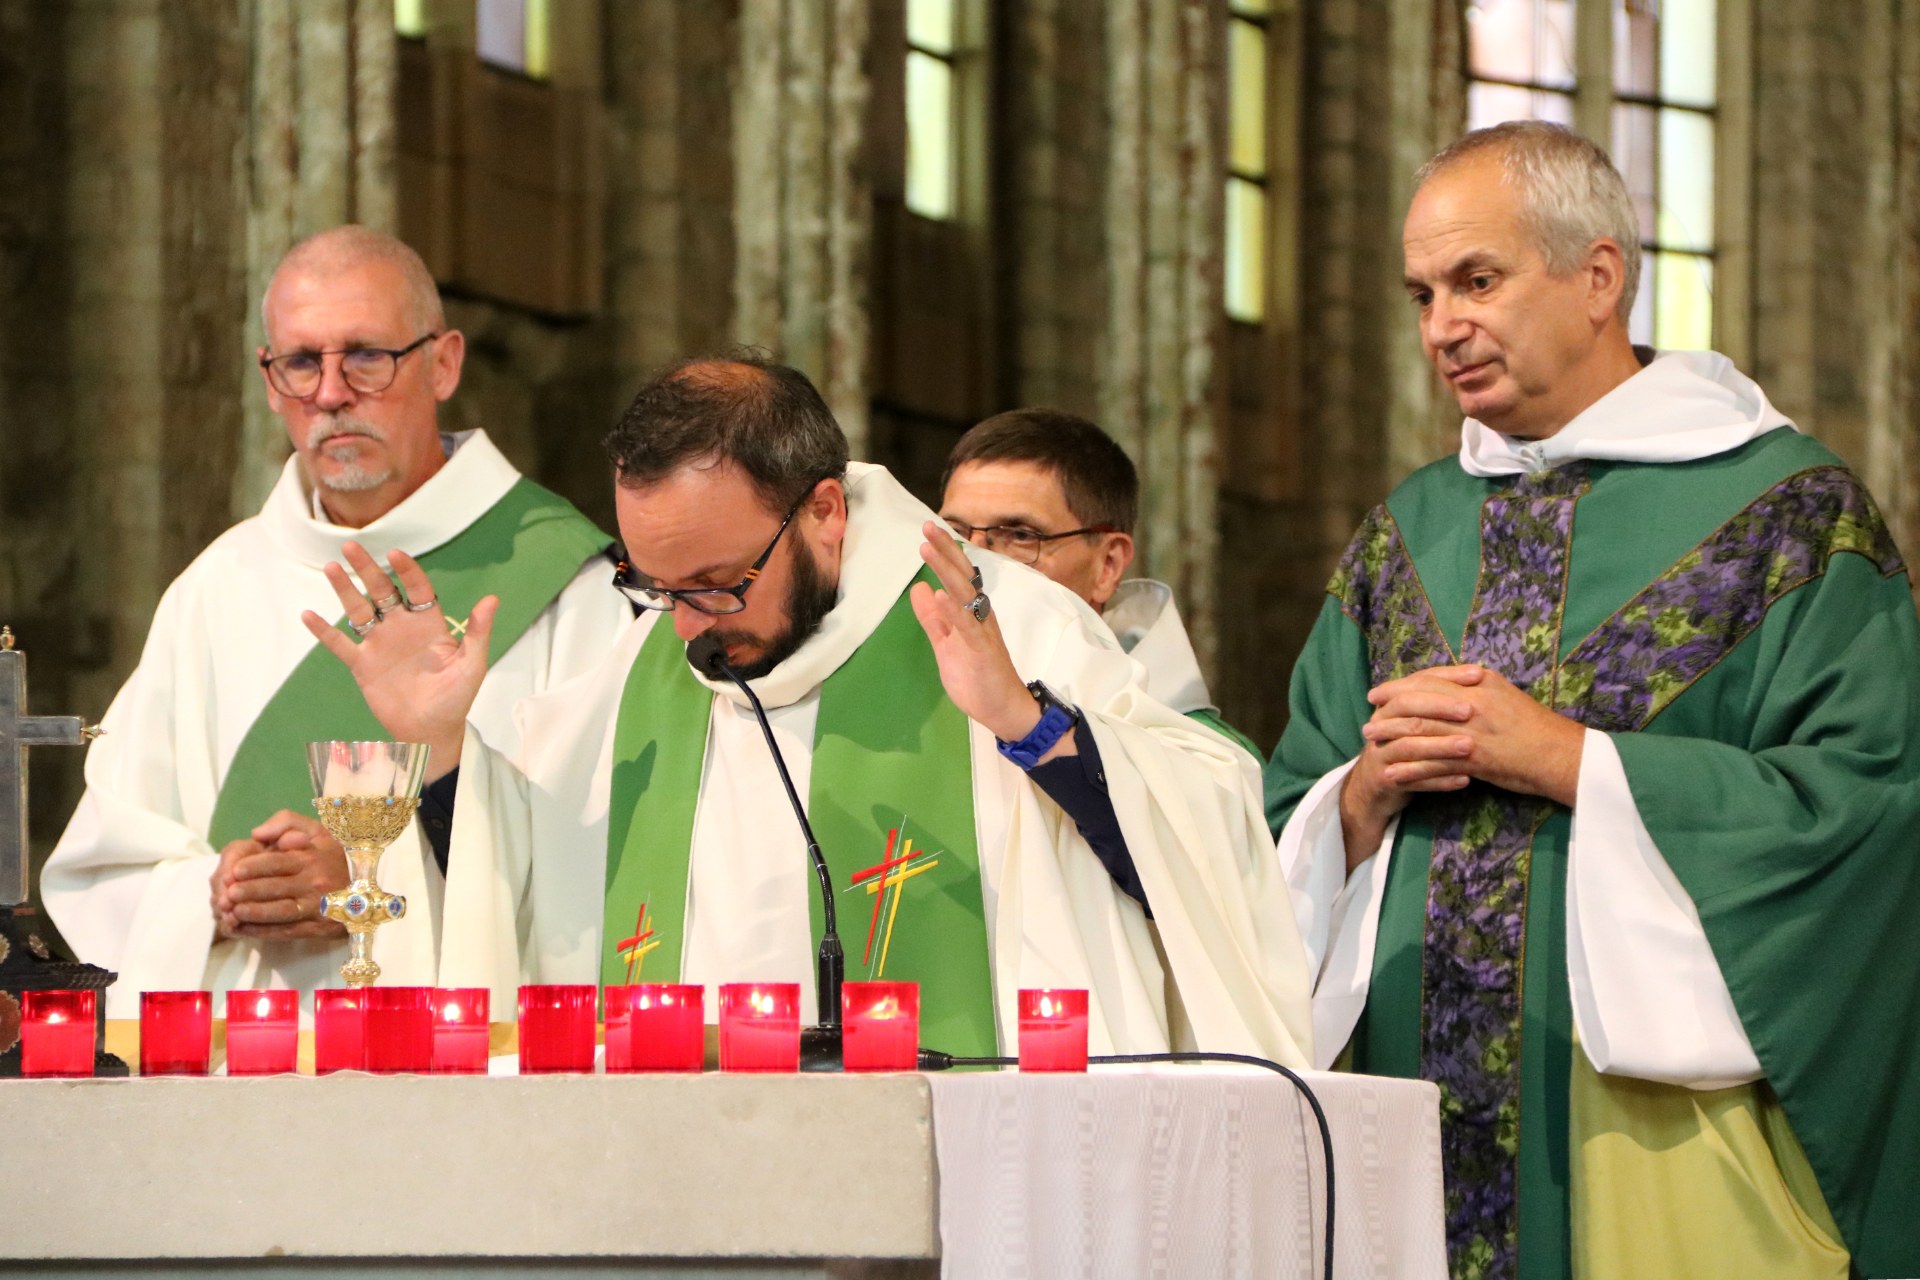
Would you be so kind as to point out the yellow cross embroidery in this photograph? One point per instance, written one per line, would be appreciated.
(893, 880)
(457, 627)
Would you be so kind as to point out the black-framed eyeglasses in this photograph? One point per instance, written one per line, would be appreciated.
(1014, 542)
(368, 370)
(714, 600)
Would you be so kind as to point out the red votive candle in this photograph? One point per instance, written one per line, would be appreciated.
(399, 1029)
(176, 1033)
(556, 1028)
(881, 1023)
(56, 1033)
(263, 1032)
(760, 1026)
(460, 1031)
(339, 1030)
(1053, 1029)
(656, 1026)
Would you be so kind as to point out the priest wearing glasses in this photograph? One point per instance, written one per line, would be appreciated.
(194, 858)
(963, 730)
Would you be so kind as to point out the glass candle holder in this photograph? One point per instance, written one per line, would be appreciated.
(176, 1033)
(263, 1032)
(460, 1031)
(556, 1028)
(760, 1026)
(399, 1029)
(881, 1022)
(656, 1026)
(1053, 1029)
(340, 1030)
(56, 1033)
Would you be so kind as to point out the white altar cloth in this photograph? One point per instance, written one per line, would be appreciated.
(1185, 1171)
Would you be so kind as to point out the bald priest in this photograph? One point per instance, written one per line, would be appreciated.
(1051, 824)
(195, 858)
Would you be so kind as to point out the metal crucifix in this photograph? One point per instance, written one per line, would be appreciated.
(18, 731)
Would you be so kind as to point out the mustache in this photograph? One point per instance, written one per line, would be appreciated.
(334, 426)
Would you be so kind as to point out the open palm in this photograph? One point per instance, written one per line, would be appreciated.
(418, 679)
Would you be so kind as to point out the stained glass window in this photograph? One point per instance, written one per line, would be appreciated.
(931, 123)
(1663, 141)
(515, 35)
(1522, 63)
(1247, 163)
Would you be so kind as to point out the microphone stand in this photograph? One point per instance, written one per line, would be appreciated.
(820, 1045)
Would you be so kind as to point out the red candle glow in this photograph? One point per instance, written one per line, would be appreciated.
(760, 1026)
(556, 1028)
(460, 1031)
(263, 1032)
(656, 1026)
(339, 1030)
(56, 1033)
(399, 1029)
(176, 1033)
(1053, 1030)
(882, 1026)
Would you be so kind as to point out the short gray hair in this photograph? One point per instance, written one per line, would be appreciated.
(1570, 193)
(344, 248)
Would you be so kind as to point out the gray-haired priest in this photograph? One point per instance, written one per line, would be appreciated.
(1600, 790)
(967, 734)
(195, 859)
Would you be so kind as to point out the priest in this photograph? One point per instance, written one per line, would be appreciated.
(194, 858)
(1001, 802)
(1600, 784)
(1051, 489)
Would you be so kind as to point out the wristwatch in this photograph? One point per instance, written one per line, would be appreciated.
(1057, 716)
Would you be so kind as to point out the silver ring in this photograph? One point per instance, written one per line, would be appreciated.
(421, 606)
(361, 628)
(978, 581)
(385, 604)
(979, 607)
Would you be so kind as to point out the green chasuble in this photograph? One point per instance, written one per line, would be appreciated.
(525, 549)
(1742, 627)
(890, 800)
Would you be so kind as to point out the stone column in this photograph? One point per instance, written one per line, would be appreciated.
(319, 151)
(1158, 389)
(803, 200)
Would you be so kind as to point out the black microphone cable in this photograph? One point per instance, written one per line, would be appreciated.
(709, 658)
(934, 1060)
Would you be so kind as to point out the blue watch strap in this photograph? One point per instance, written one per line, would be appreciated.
(1055, 720)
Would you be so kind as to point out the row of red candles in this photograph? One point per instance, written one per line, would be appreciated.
(650, 1026)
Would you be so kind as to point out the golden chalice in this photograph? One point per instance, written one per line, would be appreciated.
(366, 793)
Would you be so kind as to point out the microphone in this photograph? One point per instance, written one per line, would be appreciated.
(820, 1044)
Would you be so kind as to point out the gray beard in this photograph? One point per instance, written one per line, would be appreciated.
(349, 477)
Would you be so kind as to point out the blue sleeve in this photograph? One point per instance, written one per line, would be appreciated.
(1078, 784)
(436, 814)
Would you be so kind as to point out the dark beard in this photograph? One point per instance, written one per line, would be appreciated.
(810, 598)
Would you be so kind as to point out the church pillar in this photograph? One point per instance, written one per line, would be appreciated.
(1835, 268)
(319, 151)
(803, 211)
(1159, 393)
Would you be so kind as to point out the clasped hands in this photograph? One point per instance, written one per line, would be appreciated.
(1439, 729)
(273, 885)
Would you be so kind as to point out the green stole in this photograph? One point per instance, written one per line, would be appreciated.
(892, 764)
(525, 549)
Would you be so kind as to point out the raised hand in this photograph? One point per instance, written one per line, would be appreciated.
(975, 668)
(418, 679)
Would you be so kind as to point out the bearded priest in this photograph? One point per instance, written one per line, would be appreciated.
(1072, 832)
